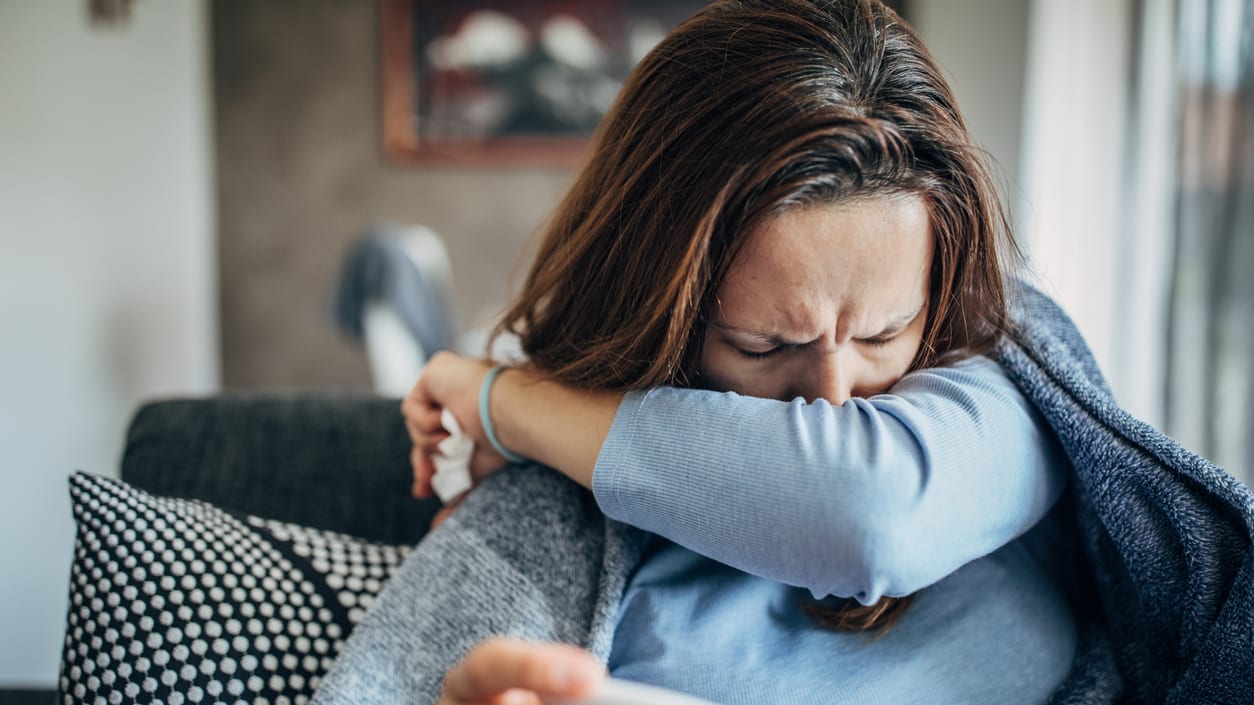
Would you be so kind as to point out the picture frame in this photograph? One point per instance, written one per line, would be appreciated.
(508, 82)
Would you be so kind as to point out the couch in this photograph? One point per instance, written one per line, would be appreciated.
(247, 535)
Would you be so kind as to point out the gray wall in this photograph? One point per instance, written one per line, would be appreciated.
(300, 174)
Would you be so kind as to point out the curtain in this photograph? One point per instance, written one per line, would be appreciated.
(1209, 390)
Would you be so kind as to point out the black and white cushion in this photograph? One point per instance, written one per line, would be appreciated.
(177, 601)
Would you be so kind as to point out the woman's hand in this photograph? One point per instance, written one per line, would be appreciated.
(545, 421)
(512, 672)
(448, 381)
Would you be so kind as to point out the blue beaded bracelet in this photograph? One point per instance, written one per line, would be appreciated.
(485, 417)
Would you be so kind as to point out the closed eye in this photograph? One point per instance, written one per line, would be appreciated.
(878, 342)
(766, 353)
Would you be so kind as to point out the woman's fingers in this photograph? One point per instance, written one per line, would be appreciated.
(422, 420)
(423, 471)
(429, 443)
(427, 420)
(422, 414)
(517, 697)
(499, 665)
(415, 401)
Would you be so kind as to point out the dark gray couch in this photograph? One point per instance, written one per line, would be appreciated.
(335, 461)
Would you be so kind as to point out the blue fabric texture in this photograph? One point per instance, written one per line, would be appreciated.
(878, 496)
(779, 503)
(1168, 539)
(1168, 536)
(998, 630)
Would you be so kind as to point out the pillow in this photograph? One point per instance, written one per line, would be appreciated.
(177, 601)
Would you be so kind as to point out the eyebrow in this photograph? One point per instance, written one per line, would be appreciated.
(778, 339)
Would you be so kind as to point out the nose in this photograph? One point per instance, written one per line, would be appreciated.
(832, 379)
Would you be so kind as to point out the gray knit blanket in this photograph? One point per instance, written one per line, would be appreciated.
(1166, 538)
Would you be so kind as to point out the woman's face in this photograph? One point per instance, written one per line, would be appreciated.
(824, 302)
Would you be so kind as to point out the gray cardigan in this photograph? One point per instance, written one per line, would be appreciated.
(1166, 535)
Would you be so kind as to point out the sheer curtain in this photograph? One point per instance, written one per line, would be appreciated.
(1138, 203)
(1209, 400)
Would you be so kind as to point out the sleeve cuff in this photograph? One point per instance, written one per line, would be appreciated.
(607, 476)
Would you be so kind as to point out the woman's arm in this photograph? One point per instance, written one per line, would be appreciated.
(879, 496)
(555, 425)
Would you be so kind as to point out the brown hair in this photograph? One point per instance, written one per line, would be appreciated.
(749, 108)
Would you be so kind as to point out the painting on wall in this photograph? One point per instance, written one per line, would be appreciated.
(498, 82)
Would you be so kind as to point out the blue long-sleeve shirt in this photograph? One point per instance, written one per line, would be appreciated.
(757, 502)
(877, 496)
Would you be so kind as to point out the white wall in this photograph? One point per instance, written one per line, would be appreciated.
(980, 46)
(107, 275)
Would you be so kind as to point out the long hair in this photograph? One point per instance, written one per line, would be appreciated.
(750, 108)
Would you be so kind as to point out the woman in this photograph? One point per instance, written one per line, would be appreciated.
(755, 328)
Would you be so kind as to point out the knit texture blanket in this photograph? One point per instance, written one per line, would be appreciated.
(1166, 537)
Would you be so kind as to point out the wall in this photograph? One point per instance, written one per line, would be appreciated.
(106, 273)
(980, 45)
(1046, 86)
(300, 175)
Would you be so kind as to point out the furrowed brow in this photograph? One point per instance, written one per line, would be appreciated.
(767, 336)
(900, 323)
(776, 338)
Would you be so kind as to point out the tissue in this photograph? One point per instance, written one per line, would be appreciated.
(452, 462)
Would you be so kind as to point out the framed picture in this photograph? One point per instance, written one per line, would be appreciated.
(501, 82)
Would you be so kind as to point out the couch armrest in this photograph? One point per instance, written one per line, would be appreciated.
(338, 462)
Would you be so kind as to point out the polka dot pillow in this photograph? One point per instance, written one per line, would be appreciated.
(176, 601)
